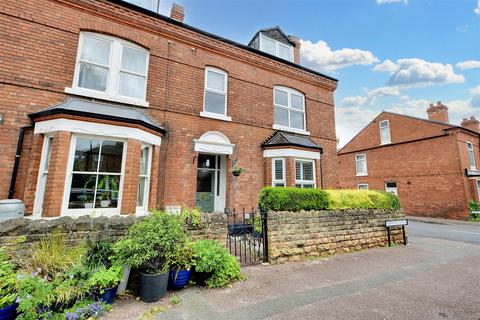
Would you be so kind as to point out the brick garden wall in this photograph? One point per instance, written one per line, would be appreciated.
(19, 235)
(296, 235)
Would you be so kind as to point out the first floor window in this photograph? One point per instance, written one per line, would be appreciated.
(278, 172)
(304, 174)
(362, 186)
(96, 173)
(471, 155)
(215, 91)
(144, 177)
(289, 108)
(361, 164)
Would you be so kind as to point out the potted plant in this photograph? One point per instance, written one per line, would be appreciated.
(104, 282)
(104, 200)
(108, 186)
(236, 170)
(8, 293)
(149, 246)
(181, 268)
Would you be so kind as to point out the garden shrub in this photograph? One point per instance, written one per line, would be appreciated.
(296, 199)
(152, 243)
(8, 280)
(293, 199)
(212, 257)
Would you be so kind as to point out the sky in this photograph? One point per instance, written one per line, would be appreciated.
(395, 55)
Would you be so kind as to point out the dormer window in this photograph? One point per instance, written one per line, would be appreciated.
(276, 48)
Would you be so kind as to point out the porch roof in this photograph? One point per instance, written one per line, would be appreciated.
(283, 139)
(100, 110)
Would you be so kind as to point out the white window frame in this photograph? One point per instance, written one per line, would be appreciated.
(68, 180)
(362, 186)
(275, 182)
(214, 115)
(387, 128)
(42, 176)
(471, 156)
(359, 174)
(289, 108)
(390, 189)
(277, 46)
(301, 181)
(114, 70)
(478, 189)
(144, 209)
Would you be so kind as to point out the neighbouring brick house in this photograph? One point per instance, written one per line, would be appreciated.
(432, 165)
(115, 109)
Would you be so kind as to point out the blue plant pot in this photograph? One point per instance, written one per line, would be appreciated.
(9, 313)
(178, 279)
(108, 295)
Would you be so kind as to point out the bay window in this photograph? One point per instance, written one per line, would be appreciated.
(95, 174)
(278, 172)
(144, 178)
(289, 110)
(110, 68)
(304, 173)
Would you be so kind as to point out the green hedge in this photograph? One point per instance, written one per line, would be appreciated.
(295, 199)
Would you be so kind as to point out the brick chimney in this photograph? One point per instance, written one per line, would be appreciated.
(296, 49)
(471, 124)
(438, 112)
(177, 12)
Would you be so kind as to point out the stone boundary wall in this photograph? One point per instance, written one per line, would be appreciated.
(296, 235)
(18, 235)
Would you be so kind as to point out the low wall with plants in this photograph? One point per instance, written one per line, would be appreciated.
(312, 222)
(18, 235)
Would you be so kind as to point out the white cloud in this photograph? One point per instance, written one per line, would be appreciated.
(477, 9)
(320, 56)
(386, 66)
(418, 73)
(475, 91)
(370, 96)
(469, 64)
(391, 1)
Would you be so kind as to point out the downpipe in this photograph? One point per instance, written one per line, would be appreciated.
(16, 164)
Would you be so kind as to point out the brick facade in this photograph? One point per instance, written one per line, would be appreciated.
(427, 160)
(39, 41)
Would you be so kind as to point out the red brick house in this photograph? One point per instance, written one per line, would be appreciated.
(431, 164)
(109, 108)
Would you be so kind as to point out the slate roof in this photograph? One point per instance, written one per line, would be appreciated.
(274, 33)
(100, 110)
(278, 139)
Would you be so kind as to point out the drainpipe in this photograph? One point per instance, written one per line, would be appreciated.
(21, 135)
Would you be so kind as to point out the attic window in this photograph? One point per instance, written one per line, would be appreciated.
(276, 48)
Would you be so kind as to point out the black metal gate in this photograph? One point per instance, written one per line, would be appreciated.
(247, 235)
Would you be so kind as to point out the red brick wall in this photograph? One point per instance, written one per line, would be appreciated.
(429, 173)
(39, 44)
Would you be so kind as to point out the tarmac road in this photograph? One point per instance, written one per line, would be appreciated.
(437, 276)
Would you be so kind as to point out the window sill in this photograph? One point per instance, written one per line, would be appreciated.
(362, 175)
(216, 116)
(385, 143)
(293, 130)
(93, 213)
(103, 96)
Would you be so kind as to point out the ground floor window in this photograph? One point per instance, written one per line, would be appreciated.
(478, 189)
(96, 170)
(42, 175)
(144, 177)
(304, 173)
(278, 172)
(362, 186)
(391, 187)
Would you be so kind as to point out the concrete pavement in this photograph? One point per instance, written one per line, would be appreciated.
(435, 277)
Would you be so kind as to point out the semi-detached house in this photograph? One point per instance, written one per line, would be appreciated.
(109, 108)
(431, 164)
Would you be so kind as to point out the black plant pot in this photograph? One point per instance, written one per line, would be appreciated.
(153, 287)
(202, 277)
(236, 174)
